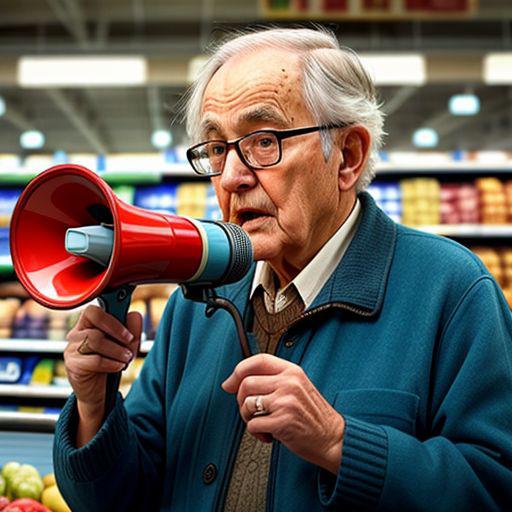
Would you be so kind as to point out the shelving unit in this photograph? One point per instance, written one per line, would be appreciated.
(47, 346)
(29, 391)
(28, 422)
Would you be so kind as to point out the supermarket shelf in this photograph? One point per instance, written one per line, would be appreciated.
(183, 170)
(32, 345)
(47, 346)
(453, 168)
(25, 391)
(28, 422)
(112, 177)
(470, 230)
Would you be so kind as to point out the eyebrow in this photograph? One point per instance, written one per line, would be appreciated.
(262, 113)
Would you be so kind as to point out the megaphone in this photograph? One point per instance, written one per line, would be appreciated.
(72, 240)
(148, 247)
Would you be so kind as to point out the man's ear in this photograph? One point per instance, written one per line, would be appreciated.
(354, 146)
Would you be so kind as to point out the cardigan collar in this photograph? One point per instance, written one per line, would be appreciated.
(359, 282)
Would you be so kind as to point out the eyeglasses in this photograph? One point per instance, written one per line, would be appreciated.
(257, 150)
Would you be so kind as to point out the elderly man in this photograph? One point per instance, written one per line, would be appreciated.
(381, 377)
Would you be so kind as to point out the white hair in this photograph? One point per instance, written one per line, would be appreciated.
(336, 86)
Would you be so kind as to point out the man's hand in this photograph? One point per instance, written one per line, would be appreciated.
(297, 415)
(109, 347)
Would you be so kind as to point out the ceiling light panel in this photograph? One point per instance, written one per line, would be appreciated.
(81, 70)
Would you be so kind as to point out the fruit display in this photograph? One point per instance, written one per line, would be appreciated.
(51, 496)
(22, 481)
(23, 490)
(24, 505)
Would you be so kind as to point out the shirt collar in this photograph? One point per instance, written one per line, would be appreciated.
(315, 274)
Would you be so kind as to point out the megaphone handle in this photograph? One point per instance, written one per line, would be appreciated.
(117, 303)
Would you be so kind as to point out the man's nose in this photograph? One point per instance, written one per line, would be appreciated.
(236, 176)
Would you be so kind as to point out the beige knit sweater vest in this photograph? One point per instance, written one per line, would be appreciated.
(247, 490)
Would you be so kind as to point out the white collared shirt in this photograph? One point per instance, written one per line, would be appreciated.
(315, 274)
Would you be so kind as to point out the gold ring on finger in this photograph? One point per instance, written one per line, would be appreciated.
(84, 348)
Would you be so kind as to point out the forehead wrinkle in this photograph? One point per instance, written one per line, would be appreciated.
(252, 96)
(230, 93)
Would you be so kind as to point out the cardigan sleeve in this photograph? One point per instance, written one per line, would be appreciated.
(121, 467)
(464, 462)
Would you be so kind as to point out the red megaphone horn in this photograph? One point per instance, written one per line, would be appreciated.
(147, 246)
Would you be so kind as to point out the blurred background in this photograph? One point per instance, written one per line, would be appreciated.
(98, 83)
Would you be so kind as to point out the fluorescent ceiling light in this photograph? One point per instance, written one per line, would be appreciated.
(80, 71)
(161, 139)
(32, 139)
(464, 105)
(392, 69)
(2, 106)
(425, 138)
(498, 68)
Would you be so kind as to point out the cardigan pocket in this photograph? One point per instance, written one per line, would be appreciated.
(380, 406)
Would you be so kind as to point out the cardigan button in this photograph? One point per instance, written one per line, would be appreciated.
(289, 343)
(209, 473)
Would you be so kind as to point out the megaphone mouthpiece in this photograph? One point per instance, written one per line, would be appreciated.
(93, 242)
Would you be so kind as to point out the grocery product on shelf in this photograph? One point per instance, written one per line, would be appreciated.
(130, 374)
(8, 309)
(388, 198)
(26, 319)
(460, 204)
(159, 197)
(493, 201)
(8, 199)
(421, 198)
(499, 264)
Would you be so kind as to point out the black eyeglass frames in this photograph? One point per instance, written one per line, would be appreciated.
(257, 150)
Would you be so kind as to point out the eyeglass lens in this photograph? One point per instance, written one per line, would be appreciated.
(258, 150)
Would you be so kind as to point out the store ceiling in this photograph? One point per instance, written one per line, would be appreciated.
(122, 119)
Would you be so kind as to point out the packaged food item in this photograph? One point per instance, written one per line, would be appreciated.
(421, 200)
(42, 374)
(493, 201)
(11, 369)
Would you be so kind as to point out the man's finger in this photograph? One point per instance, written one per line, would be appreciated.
(95, 317)
(260, 364)
(97, 343)
(254, 385)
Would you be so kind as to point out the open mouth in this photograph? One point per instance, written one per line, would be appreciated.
(248, 215)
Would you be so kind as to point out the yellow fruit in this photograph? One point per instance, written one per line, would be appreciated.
(52, 499)
(49, 480)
